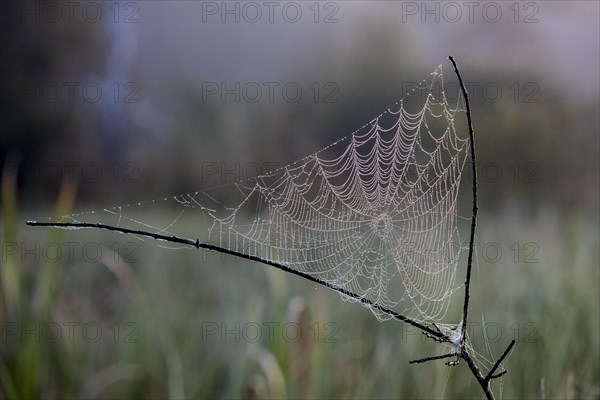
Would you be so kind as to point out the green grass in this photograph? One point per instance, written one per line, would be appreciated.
(155, 313)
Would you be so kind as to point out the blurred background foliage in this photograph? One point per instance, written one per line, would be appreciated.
(541, 136)
(532, 119)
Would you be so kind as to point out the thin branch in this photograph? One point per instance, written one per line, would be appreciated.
(474, 215)
(422, 360)
(483, 381)
(490, 374)
(197, 244)
(499, 374)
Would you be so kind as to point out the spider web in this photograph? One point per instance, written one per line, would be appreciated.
(374, 213)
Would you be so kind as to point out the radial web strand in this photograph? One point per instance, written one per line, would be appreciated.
(374, 213)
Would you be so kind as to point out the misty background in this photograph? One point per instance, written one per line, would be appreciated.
(164, 121)
(107, 103)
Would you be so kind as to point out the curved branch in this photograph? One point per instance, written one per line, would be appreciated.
(490, 374)
(483, 381)
(199, 245)
(474, 214)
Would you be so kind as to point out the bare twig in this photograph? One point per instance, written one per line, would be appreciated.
(474, 214)
(199, 245)
(484, 382)
(422, 360)
(490, 374)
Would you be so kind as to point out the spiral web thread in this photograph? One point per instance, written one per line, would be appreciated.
(374, 213)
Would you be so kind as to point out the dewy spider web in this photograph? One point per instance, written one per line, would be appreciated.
(374, 213)
(372, 216)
